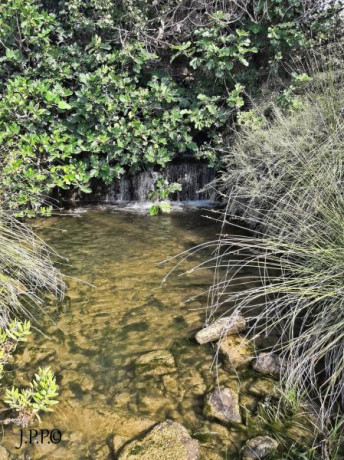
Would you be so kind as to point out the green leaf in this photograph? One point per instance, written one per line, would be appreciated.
(154, 210)
(63, 105)
(165, 206)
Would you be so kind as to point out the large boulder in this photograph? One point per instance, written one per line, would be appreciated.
(268, 364)
(167, 441)
(223, 404)
(237, 352)
(220, 328)
(259, 447)
(157, 362)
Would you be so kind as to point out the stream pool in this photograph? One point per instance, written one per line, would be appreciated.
(115, 311)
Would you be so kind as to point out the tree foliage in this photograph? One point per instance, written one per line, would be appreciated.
(95, 90)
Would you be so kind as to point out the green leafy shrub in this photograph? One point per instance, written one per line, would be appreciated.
(88, 91)
(289, 99)
(29, 402)
(14, 332)
(217, 50)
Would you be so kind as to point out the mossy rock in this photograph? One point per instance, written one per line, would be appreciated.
(237, 352)
(262, 387)
(167, 441)
(171, 385)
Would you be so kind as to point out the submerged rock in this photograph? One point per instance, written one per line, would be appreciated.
(167, 441)
(76, 382)
(158, 362)
(220, 328)
(237, 352)
(259, 447)
(223, 404)
(268, 364)
(170, 384)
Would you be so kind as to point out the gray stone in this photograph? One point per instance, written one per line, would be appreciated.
(223, 404)
(220, 328)
(167, 441)
(268, 364)
(259, 447)
(158, 362)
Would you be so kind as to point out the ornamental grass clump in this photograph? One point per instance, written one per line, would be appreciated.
(285, 177)
(27, 272)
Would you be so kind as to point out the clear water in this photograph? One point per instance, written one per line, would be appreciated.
(92, 340)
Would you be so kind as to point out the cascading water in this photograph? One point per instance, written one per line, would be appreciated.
(193, 177)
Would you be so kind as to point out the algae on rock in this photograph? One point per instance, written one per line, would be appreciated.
(166, 441)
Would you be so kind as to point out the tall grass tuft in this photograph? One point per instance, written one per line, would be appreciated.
(27, 272)
(285, 176)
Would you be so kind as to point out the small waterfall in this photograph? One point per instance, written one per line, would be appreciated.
(193, 177)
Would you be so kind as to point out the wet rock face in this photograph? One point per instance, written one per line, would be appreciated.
(167, 441)
(268, 364)
(220, 328)
(259, 447)
(223, 404)
(237, 352)
(158, 362)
